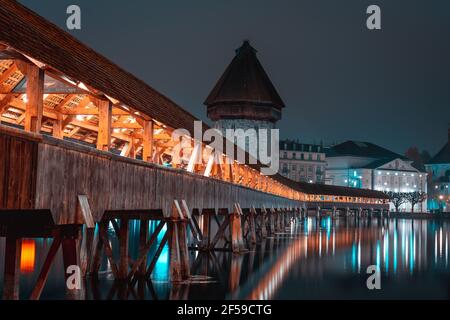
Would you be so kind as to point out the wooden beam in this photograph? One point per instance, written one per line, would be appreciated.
(82, 111)
(194, 156)
(63, 102)
(210, 164)
(147, 144)
(43, 275)
(5, 75)
(35, 99)
(58, 131)
(125, 125)
(104, 125)
(83, 103)
(4, 103)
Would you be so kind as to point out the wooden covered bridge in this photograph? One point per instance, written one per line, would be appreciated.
(83, 142)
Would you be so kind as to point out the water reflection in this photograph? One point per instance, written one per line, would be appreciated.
(311, 259)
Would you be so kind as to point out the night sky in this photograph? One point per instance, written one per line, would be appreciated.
(339, 81)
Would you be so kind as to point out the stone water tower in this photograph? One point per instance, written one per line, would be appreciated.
(244, 97)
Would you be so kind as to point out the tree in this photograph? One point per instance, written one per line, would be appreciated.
(413, 153)
(397, 199)
(415, 198)
(419, 158)
(425, 155)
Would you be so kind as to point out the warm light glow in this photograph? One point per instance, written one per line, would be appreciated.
(81, 85)
(27, 258)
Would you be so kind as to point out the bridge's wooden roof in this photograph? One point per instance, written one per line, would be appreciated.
(36, 37)
(323, 189)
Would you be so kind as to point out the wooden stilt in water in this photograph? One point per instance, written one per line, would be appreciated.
(71, 258)
(174, 249)
(143, 235)
(237, 240)
(252, 216)
(179, 256)
(206, 230)
(12, 268)
(271, 221)
(123, 249)
(263, 221)
(84, 216)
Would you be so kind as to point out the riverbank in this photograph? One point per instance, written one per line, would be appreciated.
(419, 215)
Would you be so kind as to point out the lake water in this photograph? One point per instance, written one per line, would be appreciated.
(309, 260)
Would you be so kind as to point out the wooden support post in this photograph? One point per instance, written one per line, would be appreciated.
(104, 124)
(271, 221)
(12, 268)
(123, 249)
(263, 221)
(147, 144)
(70, 258)
(174, 252)
(209, 164)
(184, 251)
(206, 230)
(179, 256)
(278, 214)
(58, 131)
(252, 216)
(195, 229)
(143, 235)
(35, 98)
(193, 160)
(132, 148)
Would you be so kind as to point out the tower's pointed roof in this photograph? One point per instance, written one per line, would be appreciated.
(245, 80)
(443, 156)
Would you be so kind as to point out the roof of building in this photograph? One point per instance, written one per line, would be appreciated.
(245, 80)
(443, 156)
(290, 145)
(324, 189)
(362, 149)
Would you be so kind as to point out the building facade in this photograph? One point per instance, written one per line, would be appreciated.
(438, 169)
(302, 162)
(245, 98)
(368, 166)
